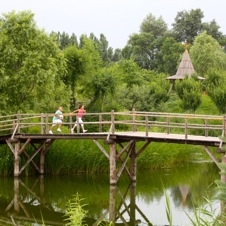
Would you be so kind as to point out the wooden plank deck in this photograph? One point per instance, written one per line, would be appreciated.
(123, 137)
(170, 138)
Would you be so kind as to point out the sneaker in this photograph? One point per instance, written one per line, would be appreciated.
(72, 131)
(85, 131)
(59, 130)
(50, 132)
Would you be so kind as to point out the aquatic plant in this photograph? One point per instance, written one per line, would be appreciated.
(75, 212)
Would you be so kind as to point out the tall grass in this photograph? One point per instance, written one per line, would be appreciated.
(84, 157)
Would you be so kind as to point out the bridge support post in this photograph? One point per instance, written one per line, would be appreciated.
(16, 198)
(112, 203)
(17, 160)
(113, 173)
(133, 166)
(133, 203)
(223, 176)
(42, 161)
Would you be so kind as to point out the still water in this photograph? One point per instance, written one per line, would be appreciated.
(31, 201)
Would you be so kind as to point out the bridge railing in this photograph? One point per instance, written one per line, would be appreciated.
(194, 124)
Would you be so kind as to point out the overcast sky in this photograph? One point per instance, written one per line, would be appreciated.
(116, 19)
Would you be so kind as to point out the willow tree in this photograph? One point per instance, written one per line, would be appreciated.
(209, 60)
(31, 65)
(206, 53)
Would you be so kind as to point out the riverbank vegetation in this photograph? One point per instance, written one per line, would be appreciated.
(41, 71)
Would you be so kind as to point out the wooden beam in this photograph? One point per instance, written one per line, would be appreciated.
(211, 155)
(124, 148)
(143, 148)
(24, 146)
(126, 168)
(123, 164)
(32, 162)
(102, 149)
(32, 156)
(10, 146)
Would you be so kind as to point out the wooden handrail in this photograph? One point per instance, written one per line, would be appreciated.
(144, 121)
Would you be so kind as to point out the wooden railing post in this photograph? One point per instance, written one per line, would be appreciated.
(18, 121)
(47, 123)
(71, 122)
(42, 123)
(168, 124)
(224, 126)
(186, 128)
(100, 125)
(112, 122)
(134, 120)
(206, 125)
(146, 125)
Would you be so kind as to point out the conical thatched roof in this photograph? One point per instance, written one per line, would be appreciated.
(185, 68)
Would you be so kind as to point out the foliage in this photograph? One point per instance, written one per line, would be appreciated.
(189, 91)
(75, 68)
(206, 216)
(206, 54)
(31, 65)
(187, 25)
(75, 212)
(215, 86)
(170, 52)
(168, 209)
(156, 26)
(65, 40)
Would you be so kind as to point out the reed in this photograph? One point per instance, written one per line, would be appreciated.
(70, 157)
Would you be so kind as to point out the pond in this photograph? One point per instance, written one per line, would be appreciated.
(34, 200)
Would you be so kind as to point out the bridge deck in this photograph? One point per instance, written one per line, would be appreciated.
(123, 136)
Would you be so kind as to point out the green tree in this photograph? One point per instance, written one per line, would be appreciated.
(187, 25)
(143, 49)
(170, 53)
(31, 65)
(212, 28)
(190, 92)
(156, 26)
(101, 88)
(206, 53)
(216, 88)
(141, 89)
(75, 68)
(65, 40)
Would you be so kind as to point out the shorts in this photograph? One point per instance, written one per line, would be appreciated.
(56, 121)
(79, 120)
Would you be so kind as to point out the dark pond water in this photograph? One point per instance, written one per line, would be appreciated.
(31, 201)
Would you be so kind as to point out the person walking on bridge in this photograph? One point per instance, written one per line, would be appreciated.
(79, 120)
(57, 120)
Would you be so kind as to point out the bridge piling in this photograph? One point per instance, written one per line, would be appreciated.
(133, 165)
(17, 160)
(42, 162)
(113, 172)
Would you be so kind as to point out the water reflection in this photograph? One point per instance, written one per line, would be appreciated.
(35, 200)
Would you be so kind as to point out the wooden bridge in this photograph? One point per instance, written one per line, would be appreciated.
(121, 129)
